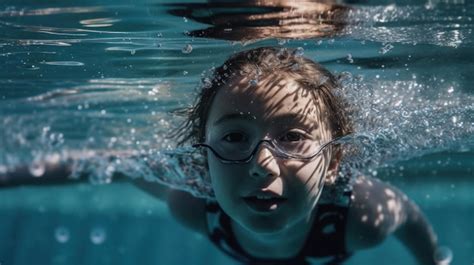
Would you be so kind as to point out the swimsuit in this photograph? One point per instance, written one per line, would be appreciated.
(326, 239)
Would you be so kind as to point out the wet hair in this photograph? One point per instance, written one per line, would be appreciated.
(267, 61)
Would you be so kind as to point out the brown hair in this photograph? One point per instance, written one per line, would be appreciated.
(267, 61)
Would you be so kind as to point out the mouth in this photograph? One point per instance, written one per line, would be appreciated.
(264, 202)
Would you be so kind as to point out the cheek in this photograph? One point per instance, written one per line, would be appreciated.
(310, 175)
(216, 172)
(224, 178)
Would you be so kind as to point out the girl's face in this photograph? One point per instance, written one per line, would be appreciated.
(269, 193)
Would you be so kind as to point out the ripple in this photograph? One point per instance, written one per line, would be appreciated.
(49, 11)
(98, 22)
(64, 63)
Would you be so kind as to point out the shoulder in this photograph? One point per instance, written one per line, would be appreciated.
(190, 211)
(376, 211)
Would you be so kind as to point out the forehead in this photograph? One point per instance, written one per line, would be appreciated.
(267, 99)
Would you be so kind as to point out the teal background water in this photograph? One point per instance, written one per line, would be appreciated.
(104, 75)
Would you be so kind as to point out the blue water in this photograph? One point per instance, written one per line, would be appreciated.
(81, 79)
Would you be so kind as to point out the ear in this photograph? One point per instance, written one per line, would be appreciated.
(333, 168)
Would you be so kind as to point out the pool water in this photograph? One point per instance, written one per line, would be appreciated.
(91, 76)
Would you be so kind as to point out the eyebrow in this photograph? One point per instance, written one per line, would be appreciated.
(286, 118)
(234, 116)
(296, 118)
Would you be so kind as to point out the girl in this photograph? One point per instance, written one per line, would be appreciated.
(268, 124)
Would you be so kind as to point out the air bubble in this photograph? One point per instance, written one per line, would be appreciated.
(3, 169)
(298, 52)
(187, 49)
(61, 234)
(153, 91)
(443, 256)
(349, 58)
(429, 5)
(98, 235)
(386, 48)
(109, 171)
(37, 169)
(207, 82)
(100, 178)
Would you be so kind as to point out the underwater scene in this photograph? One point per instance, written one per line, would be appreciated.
(92, 93)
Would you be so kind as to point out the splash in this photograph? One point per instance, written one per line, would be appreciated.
(394, 121)
(400, 120)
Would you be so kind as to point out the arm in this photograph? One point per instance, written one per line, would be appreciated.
(378, 210)
(155, 189)
(46, 174)
(56, 172)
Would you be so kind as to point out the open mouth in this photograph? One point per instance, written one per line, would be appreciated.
(264, 203)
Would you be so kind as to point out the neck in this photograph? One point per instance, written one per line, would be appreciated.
(286, 242)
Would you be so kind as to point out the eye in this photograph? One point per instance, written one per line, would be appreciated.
(293, 136)
(235, 137)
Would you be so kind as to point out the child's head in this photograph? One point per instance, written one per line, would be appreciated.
(290, 103)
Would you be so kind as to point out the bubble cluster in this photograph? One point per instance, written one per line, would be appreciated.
(396, 121)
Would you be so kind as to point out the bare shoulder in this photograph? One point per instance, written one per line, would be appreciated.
(188, 210)
(376, 211)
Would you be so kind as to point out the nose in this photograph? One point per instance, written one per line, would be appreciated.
(264, 164)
